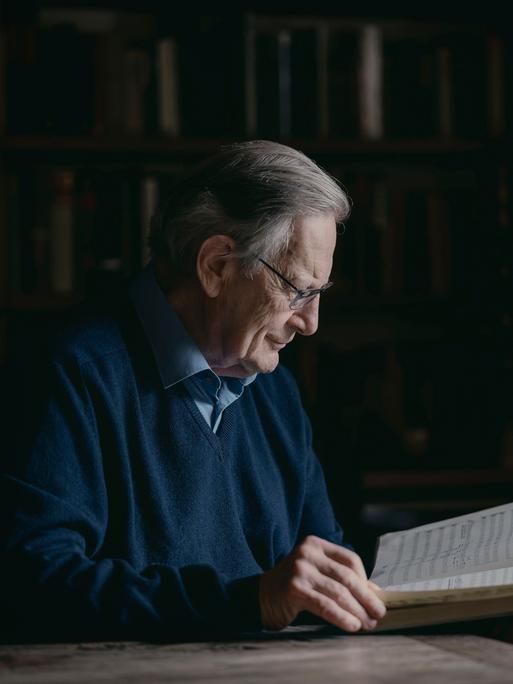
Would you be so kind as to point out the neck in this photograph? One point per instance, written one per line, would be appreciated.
(191, 306)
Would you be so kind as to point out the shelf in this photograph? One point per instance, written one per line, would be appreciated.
(193, 146)
(373, 513)
(40, 302)
(110, 144)
(432, 493)
(386, 479)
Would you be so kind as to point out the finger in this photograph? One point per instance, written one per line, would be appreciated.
(371, 602)
(343, 597)
(344, 556)
(326, 608)
(375, 587)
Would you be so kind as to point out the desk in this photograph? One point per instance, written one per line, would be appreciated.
(294, 657)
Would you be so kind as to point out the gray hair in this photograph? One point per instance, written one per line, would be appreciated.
(250, 191)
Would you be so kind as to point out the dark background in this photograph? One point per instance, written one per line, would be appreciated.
(409, 381)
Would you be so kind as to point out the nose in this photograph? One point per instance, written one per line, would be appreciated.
(305, 321)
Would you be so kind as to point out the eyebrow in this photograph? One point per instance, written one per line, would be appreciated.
(293, 279)
(310, 286)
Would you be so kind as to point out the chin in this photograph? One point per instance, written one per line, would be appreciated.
(247, 367)
(267, 365)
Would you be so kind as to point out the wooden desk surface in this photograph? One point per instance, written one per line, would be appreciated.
(296, 657)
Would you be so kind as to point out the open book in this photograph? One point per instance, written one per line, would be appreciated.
(457, 569)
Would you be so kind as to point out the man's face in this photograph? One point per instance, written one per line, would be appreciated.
(254, 321)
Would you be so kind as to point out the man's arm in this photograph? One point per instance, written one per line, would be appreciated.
(56, 582)
(320, 575)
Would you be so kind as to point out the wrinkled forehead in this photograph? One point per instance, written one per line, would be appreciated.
(311, 247)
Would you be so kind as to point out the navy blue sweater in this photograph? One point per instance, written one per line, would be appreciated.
(127, 517)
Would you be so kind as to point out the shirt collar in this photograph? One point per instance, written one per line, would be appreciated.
(176, 354)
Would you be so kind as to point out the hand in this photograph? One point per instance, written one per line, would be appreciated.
(327, 580)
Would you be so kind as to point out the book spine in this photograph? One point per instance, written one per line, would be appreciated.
(284, 83)
(322, 79)
(393, 391)
(417, 266)
(111, 83)
(439, 244)
(40, 237)
(85, 217)
(14, 233)
(445, 91)
(149, 202)
(393, 245)
(26, 214)
(304, 84)
(251, 78)
(371, 82)
(22, 77)
(136, 80)
(3, 80)
(495, 86)
(379, 227)
(167, 87)
(61, 232)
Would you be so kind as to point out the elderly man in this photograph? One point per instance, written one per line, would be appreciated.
(166, 486)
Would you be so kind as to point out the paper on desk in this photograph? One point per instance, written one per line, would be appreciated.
(464, 550)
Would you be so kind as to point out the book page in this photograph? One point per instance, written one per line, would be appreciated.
(467, 544)
(485, 578)
(402, 599)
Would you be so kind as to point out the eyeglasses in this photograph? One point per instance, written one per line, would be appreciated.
(303, 297)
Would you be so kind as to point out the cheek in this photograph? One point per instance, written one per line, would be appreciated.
(274, 324)
(263, 322)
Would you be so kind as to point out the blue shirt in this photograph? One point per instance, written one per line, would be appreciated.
(177, 356)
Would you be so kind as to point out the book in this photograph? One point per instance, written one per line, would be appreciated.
(439, 244)
(61, 225)
(416, 254)
(210, 71)
(65, 86)
(149, 204)
(284, 83)
(370, 76)
(167, 87)
(444, 90)
(343, 90)
(267, 85)
(410, 95)
(496, 80)
(20, 77)
(109, 79)
(470, 87)
(455, 570)
(136, 72)
(305, 102)
(393, 243)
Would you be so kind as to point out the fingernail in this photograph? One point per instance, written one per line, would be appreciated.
(371, 624)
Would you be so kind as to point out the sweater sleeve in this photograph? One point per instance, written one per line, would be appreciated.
(318, 517)
(56, 584)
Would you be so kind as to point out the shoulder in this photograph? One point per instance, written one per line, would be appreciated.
(279, 389)
(94, 334)
(280, 381)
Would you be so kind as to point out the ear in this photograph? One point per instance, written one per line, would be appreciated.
(214, 263)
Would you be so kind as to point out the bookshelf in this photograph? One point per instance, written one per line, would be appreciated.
(409, 380)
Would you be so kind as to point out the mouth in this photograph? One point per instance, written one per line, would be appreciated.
(278, 343)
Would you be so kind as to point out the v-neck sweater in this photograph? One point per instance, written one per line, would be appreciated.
(128, 517)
